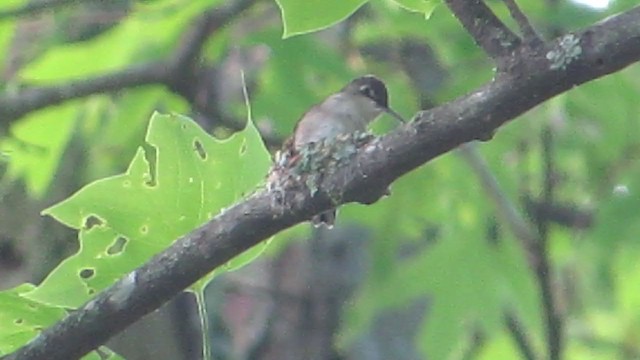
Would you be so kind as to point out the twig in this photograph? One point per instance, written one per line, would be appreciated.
(534, 243)
(491, 34)
(530, 35)
(505, 208)
(363, 179)
(544, 271)
(191, 44)
(520, 337)
(548, 173)
(515, 222)
(567, 215)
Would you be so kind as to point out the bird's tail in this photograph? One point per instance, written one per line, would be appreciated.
(327, 218)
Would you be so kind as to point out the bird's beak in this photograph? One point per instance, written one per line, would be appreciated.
(394, 114)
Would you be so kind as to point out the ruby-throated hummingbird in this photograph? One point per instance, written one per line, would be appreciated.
(348, 111)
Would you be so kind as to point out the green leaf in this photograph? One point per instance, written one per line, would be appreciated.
(22, 319)
(114, 142)
(125, 219)
(301, 17)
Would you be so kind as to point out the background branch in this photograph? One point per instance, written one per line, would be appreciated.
(567, 215)
(544, 272)
(15, 105)
(191, 44)
(33, 7)
(530, 35)
(606, 47)
(520, 337)
(520, 228)
(504, 207)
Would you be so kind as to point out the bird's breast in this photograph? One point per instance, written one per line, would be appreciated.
(337, 115)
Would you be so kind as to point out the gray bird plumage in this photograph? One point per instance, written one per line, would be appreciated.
(347, 111)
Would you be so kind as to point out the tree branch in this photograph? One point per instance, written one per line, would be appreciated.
(189, 51)
(33, 7)
(603, 48)
(491, 34)
(15, 105)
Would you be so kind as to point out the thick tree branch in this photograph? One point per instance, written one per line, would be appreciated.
(491, 34)
(565, 63)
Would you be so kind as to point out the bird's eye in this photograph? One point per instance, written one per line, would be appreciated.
(367, 91)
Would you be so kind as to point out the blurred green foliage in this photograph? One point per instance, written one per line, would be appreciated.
(440, 212)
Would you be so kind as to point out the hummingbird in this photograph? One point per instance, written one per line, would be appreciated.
(347, 111)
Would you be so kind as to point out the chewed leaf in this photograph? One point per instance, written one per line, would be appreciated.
(181, 180)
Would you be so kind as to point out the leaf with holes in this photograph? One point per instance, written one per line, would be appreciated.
(180, 180)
